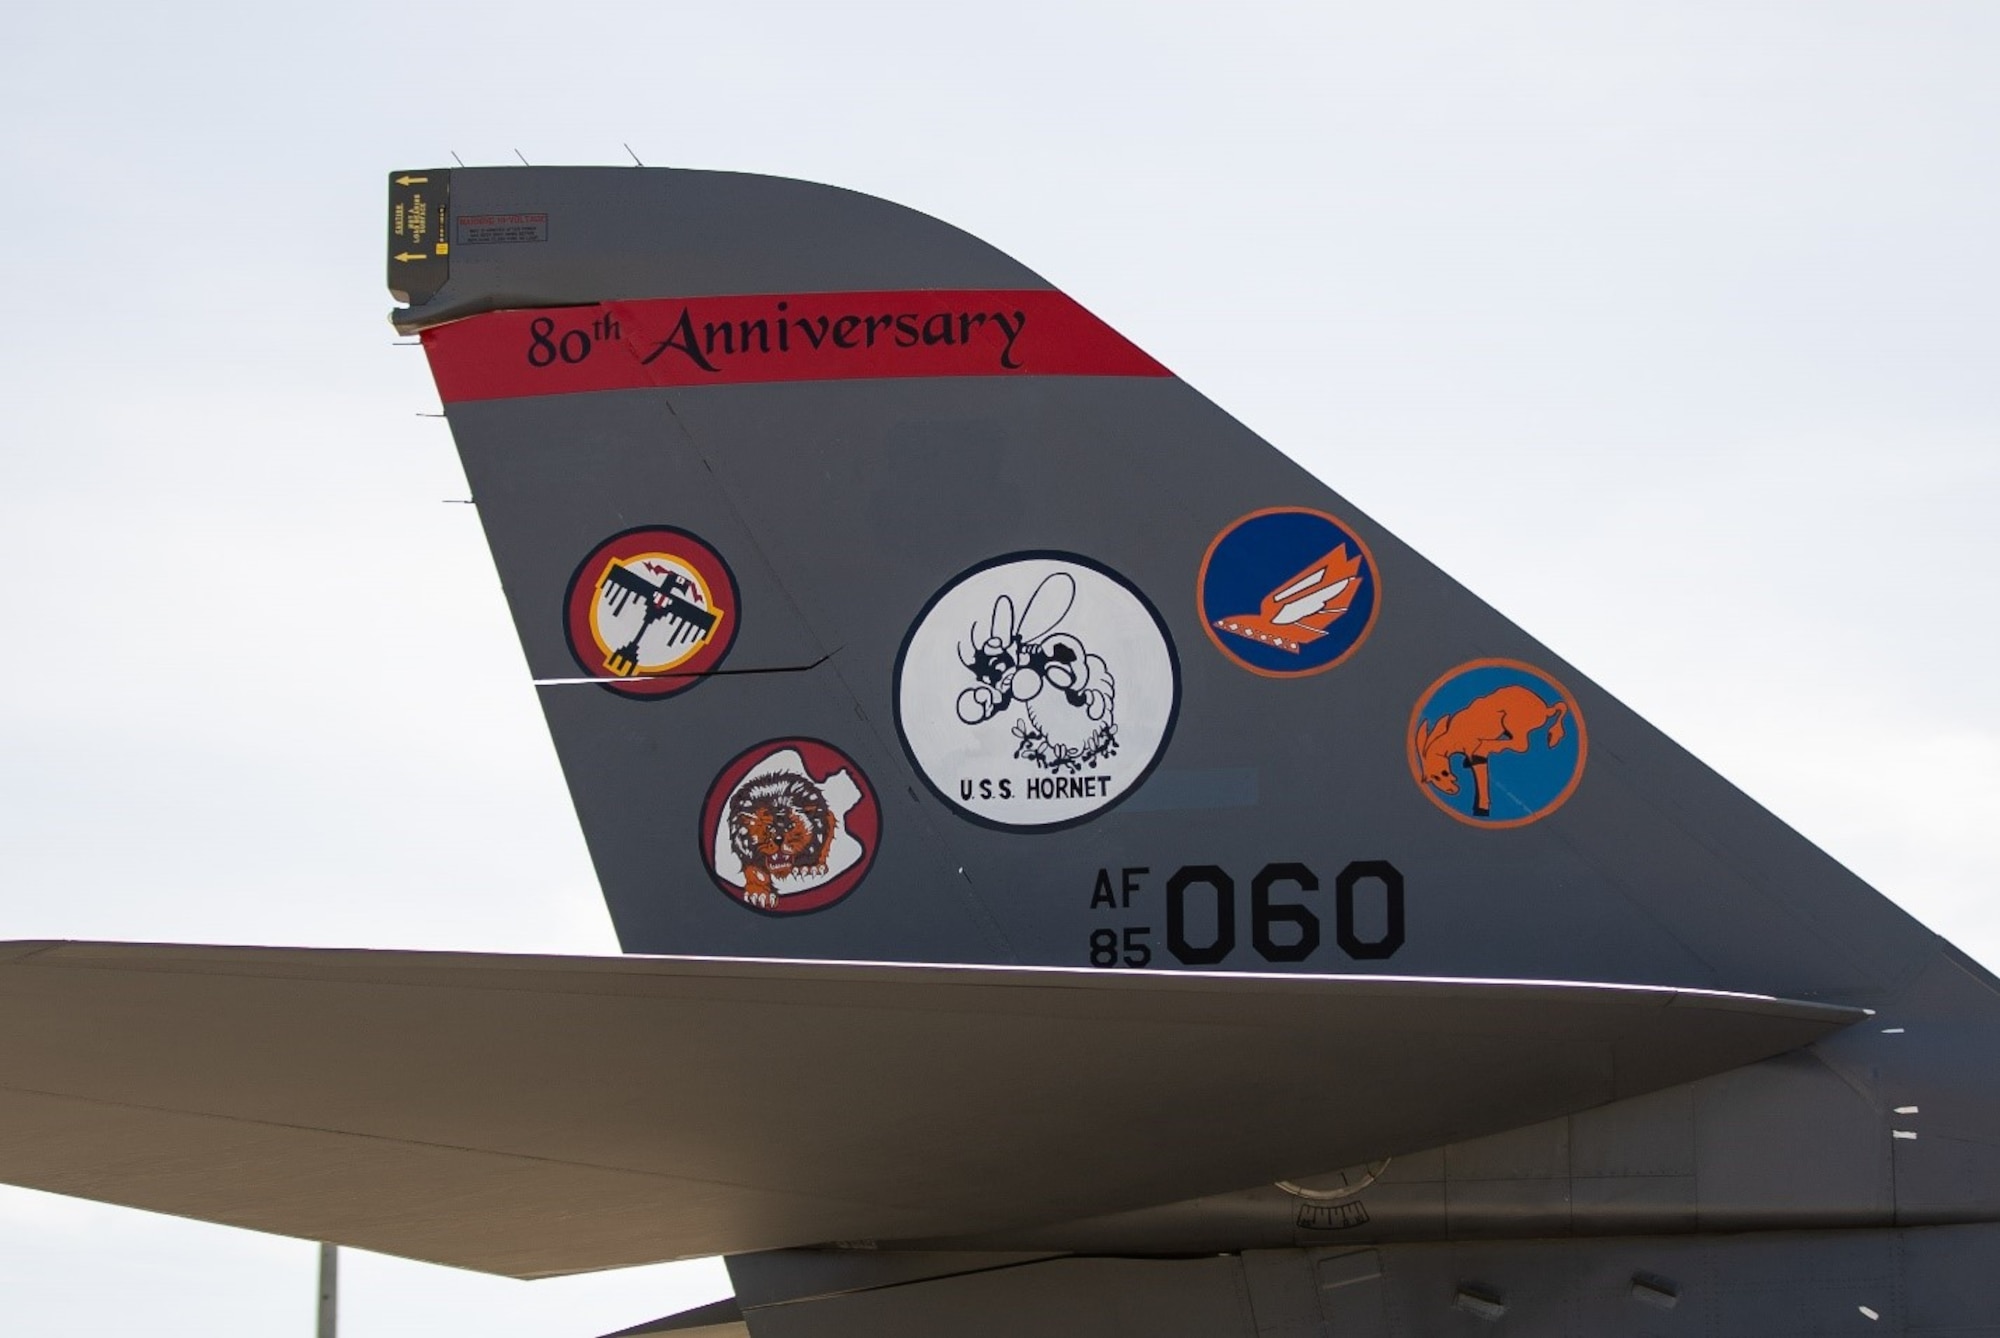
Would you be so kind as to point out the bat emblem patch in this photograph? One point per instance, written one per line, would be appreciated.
(650, 611)
(1288, 592)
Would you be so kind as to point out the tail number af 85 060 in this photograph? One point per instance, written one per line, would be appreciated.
(1203, 920)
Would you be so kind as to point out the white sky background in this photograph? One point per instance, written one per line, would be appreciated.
(1666, 328)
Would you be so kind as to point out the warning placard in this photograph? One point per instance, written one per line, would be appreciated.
(495, 229)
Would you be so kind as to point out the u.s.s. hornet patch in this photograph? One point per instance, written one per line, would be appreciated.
(1036, 690)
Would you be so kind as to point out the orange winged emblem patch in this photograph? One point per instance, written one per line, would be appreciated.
(1299, 611)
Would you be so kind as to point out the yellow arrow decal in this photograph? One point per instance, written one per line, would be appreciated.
(407, 180)
(406, 257)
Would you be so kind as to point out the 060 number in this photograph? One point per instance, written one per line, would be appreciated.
(1280, 930)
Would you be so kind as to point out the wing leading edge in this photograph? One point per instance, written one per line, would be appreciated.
(541, 1115)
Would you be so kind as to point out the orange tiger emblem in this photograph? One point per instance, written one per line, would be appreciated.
(780, 826)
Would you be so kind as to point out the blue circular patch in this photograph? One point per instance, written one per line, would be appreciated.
(1497, 743)
(1287, 592)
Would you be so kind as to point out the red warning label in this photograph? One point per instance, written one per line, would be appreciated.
(487, 229)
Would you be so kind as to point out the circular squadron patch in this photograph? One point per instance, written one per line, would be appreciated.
(1036, 690)
(650, 611)
(789, 826)
(1497, 743)
(1287, 592)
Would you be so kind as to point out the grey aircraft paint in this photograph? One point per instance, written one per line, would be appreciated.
(852, 503)
(1234, 927)
(846, 505)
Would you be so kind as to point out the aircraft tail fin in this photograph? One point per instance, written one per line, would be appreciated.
(887, 605)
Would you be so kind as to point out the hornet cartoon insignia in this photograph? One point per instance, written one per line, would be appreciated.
(1065, 692)
(1007, 699)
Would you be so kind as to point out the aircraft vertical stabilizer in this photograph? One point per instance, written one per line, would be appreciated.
(886, 604)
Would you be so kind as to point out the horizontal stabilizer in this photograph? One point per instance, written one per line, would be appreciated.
(541, 1115)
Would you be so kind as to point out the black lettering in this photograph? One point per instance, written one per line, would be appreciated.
(575, 346)
(542, 349)
(1006, 789)
(967, 323)
(1128, 881)
(1012, 332)
(806, 328)
(709, 332)
(965, 791)
(1138, 952)
(1263, 915)
(1104, 947)
(784, 329)
(681, 340)
(762, 329)
(1369, 870)
(843, 331)
(1206, 875)
(873, 321)
(906, 330)
(937, 329)
(1100, 894)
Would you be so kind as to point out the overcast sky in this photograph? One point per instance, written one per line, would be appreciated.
(1668, 328)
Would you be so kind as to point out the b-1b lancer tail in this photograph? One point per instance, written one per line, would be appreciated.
(1082, 876)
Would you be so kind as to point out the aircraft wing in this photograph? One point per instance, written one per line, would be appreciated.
(541, 1115)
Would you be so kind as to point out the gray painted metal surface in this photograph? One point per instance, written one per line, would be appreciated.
(720, 1319)
(1934, 1280)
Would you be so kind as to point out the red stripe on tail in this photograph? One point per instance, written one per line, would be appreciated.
(775, 337)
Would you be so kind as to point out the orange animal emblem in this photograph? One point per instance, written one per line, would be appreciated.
(781, 827)
(1503, 721)
(1299, 611)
